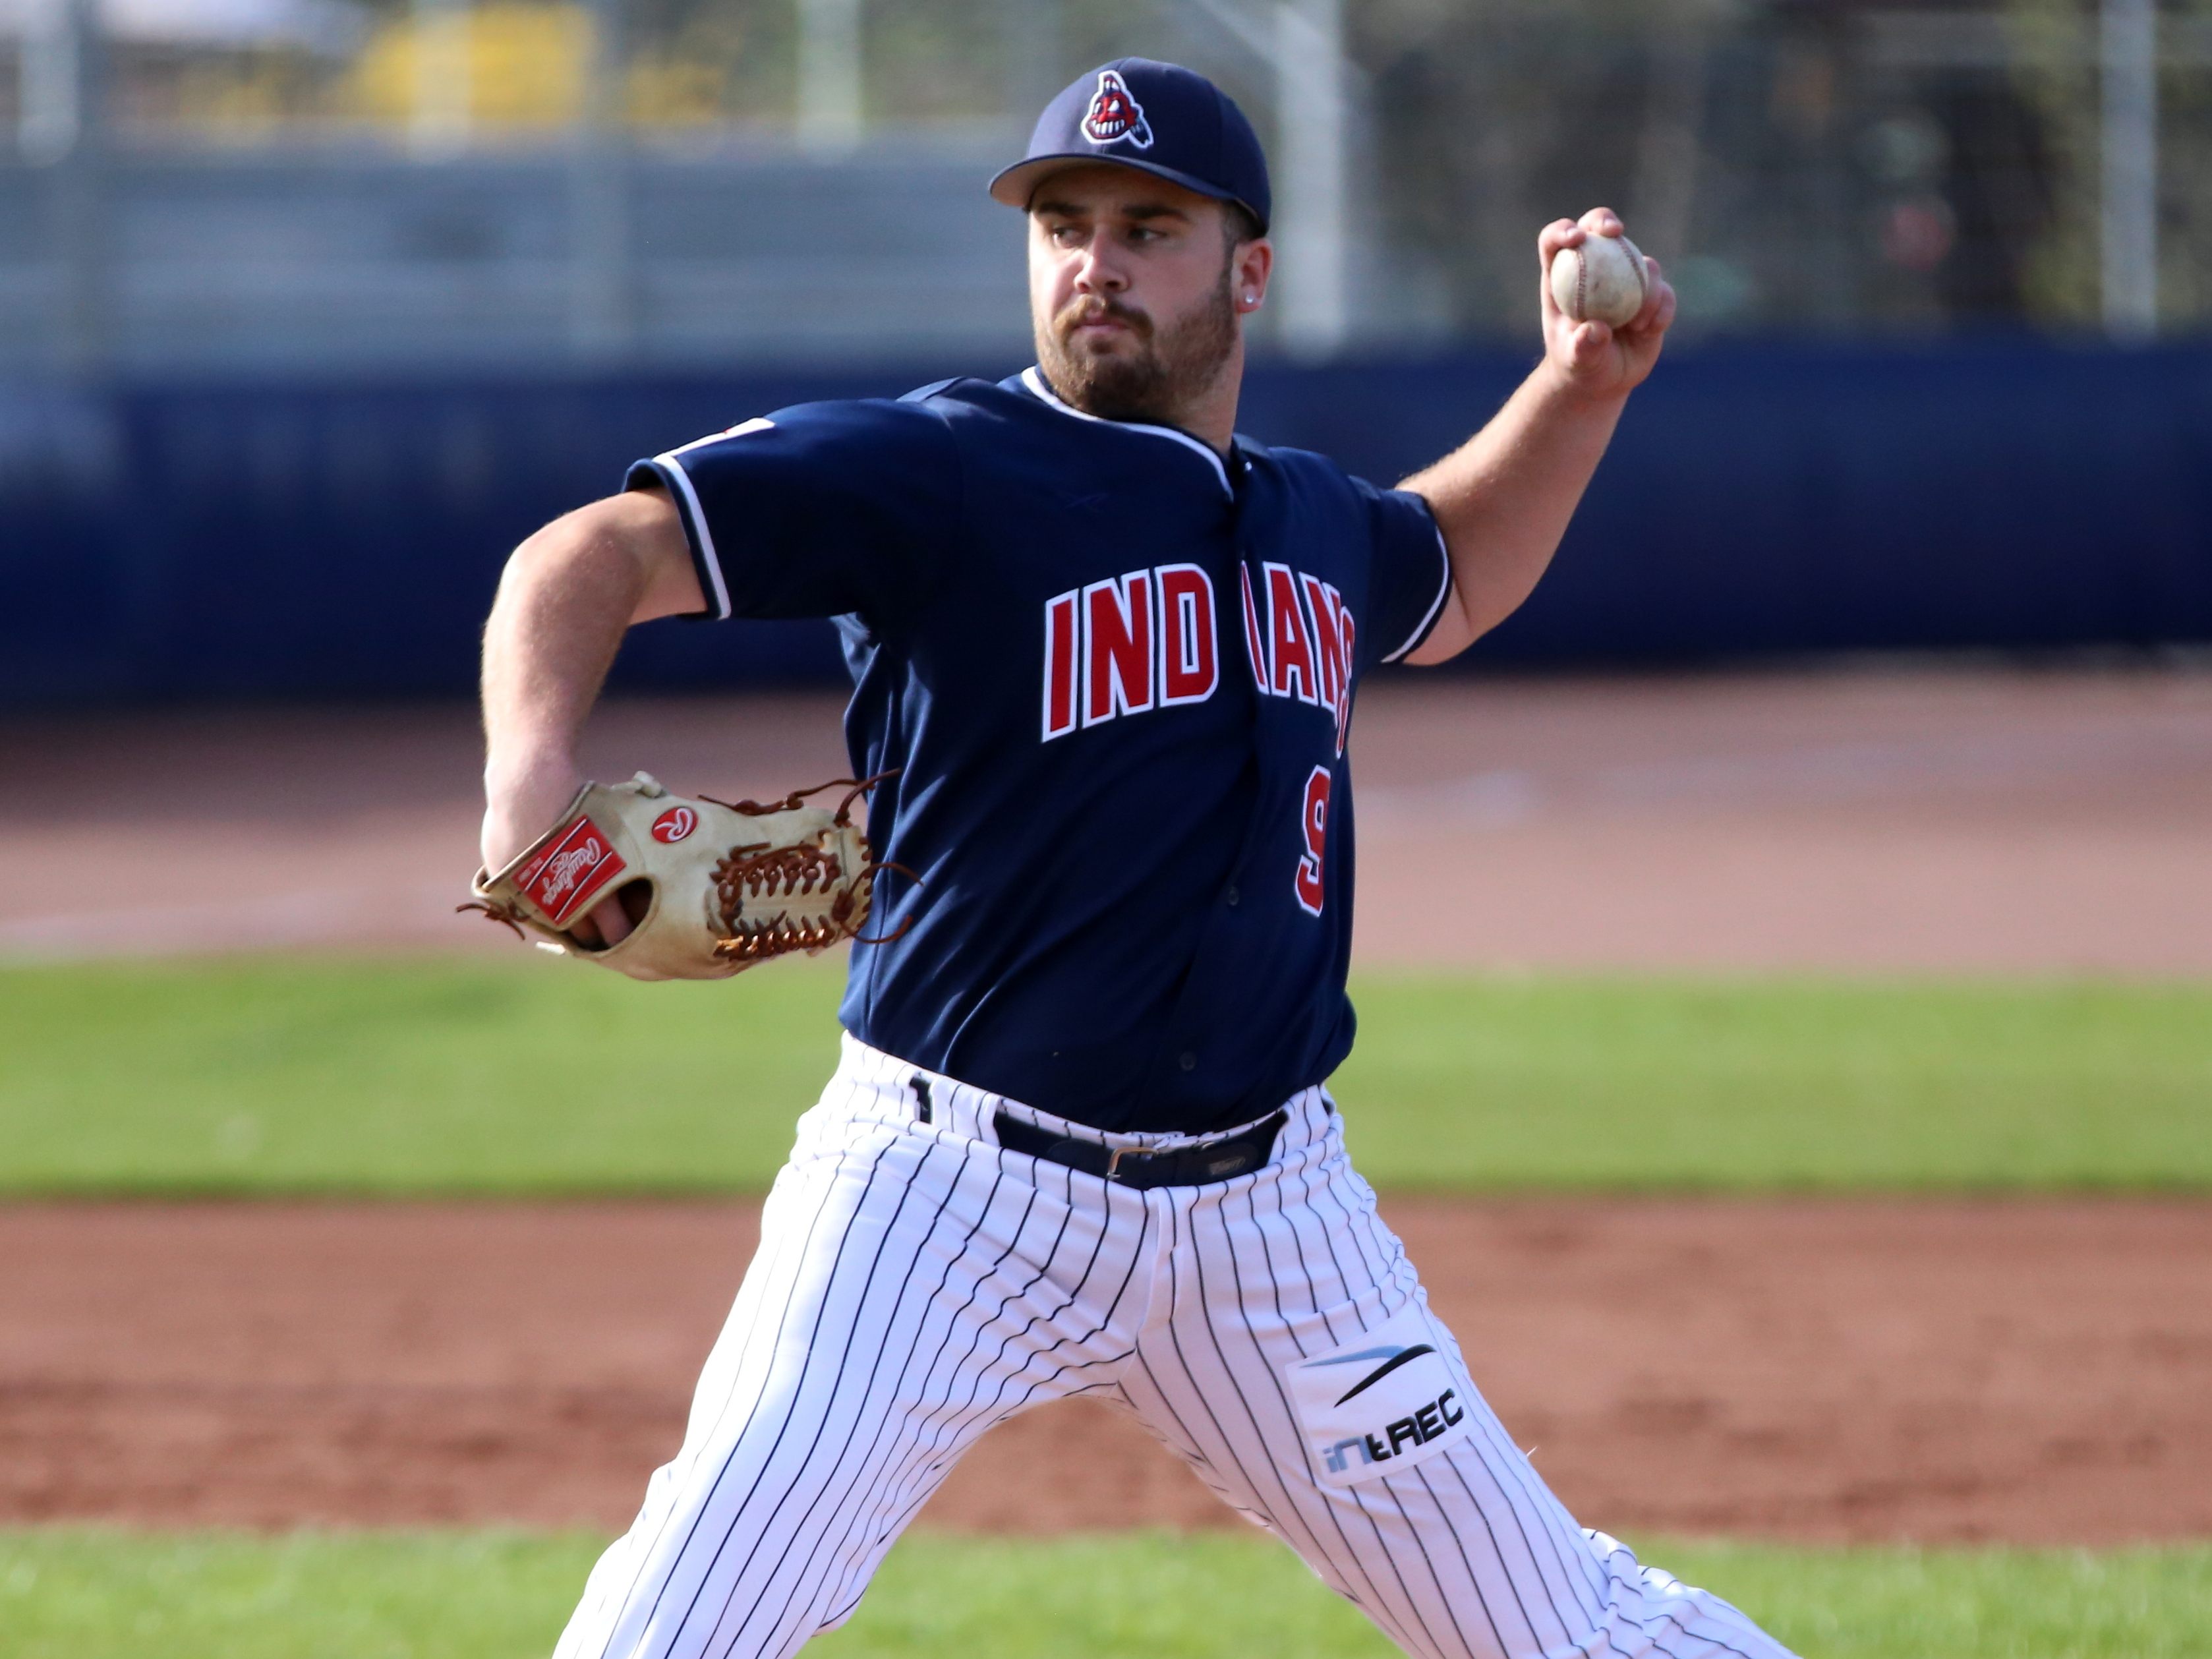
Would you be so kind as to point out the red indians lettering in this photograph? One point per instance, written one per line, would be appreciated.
(1140, 641)
(1146, 641)
(1299, 641)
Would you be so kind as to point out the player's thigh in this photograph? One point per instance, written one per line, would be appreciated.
(900, 1303)
(1305, 1379)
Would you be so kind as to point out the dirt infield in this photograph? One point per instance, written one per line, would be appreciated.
(1963, 820)
(2039, 1371)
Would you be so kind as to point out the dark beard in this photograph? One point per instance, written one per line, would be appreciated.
(1157, 382)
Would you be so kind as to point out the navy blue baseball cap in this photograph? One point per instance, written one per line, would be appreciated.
(1159, 117)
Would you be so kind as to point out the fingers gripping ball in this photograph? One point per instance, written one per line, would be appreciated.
(1603, 280)
(712, 886)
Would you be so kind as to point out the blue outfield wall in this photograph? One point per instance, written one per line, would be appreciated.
(161, 541)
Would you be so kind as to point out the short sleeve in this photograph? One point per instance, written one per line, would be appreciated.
(1409, 578)
(818, 510)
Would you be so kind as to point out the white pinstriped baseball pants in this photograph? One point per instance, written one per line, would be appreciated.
(918, 1283)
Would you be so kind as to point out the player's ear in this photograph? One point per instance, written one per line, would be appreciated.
(1250, 264)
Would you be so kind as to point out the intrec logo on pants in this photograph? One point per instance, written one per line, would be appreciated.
(1392, 1397)
(1424, 1425)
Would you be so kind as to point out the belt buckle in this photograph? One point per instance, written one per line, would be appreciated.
(1134, 1156)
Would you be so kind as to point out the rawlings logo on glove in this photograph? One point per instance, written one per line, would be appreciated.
(570, 871)
(727, 884)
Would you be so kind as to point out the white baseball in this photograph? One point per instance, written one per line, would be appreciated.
(1603, 281)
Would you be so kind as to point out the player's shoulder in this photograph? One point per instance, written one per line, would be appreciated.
(911, 412)
(947, 390)
(968, 397)
(949, 426)
(1304, 472)
(830, 441)
(828, 428)
(957, 406)
(1001, 423)
(1321, 491)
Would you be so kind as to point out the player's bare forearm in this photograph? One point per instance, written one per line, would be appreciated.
(1502, 499)
(567, 596)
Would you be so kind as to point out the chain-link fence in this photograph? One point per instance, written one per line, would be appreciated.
(691, 180)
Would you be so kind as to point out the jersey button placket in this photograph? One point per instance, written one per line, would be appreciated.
(1232, 898)
(1188, 1061)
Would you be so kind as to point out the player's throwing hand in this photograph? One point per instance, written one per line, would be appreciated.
(1595, 358)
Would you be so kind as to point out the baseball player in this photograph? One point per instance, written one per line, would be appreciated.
(1079, 1141)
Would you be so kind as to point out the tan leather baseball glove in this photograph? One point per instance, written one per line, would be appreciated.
(712, 887)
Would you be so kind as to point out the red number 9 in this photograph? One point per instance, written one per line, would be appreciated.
(1315, 825)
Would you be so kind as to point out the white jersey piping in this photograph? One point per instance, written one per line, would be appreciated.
(1046, 395)
(709, 560)
(1428, 621)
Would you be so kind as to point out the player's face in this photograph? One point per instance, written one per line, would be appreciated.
(1131, 282)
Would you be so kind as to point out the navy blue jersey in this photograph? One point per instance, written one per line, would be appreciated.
(1115, 675)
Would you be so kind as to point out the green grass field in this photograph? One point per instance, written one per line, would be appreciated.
(305, 1075)
(84, 1593)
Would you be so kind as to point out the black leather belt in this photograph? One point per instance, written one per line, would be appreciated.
(1125, 1166)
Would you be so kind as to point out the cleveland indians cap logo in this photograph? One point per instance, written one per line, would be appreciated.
(1114, 115)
